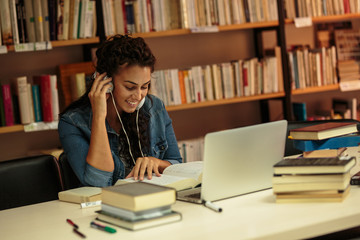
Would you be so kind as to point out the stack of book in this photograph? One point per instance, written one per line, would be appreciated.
(329, 135)
(138, 205)
(312, 179)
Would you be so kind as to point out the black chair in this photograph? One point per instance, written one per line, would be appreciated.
(68, 176)
(29, 180)
(289, 146)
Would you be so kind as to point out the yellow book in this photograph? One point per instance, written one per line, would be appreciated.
(81, 195)
(138, 196)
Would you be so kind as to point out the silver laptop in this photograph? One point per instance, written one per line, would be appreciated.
(239, 161)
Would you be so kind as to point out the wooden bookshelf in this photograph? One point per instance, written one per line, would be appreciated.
(224, 101)
(12, 129)
(66, 43)
(233, 27)
(332, 18)
(308, 90)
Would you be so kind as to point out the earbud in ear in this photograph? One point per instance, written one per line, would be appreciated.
(111, 85)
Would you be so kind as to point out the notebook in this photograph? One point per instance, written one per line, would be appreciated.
(239, 161)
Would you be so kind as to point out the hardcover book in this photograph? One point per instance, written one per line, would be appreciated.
(313, 196)
(349, 140)
(340, 184)
(45, 96)
(323, 130)
(314, 165)
(80, 195)
(138, 196)
(139, 224)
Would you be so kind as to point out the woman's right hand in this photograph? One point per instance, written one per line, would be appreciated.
(98, 96)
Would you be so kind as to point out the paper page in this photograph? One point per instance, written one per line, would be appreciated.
(187, 170)
(162, 180)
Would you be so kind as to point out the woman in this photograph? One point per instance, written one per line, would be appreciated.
(107, 135)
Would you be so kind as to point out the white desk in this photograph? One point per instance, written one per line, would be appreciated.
(251, 216)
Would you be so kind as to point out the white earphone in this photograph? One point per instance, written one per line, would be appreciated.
(137, 125)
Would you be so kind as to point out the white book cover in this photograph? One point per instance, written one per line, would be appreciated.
(38, 19)
(89, 19)
(75, 20)
(176, 87)
(6, 29)
(46, 24)
(66, 20)
(54, 97)
(83, 13)
(14, 25)
(208, 83)
(21, 88)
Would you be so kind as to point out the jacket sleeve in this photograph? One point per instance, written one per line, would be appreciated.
(76, 146)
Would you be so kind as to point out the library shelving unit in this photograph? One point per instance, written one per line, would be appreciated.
(310, 91)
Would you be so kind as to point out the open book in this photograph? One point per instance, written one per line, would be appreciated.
(179, 176)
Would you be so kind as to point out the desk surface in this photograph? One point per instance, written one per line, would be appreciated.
(251, 216)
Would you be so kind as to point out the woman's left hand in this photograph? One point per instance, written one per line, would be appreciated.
(148, 165)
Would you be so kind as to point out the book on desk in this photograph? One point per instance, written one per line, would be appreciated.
(138, 205)
(312, 179)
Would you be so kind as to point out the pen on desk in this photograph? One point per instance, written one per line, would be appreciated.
(212, 206)
(79, 233)
(72, 223)
(103, 228)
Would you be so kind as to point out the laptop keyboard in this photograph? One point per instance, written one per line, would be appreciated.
(194, 195)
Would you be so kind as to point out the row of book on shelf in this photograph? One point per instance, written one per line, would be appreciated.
(28, 21)
(342, 108)
(122, 16)
(219, 81)
(322, 172)
(318, 8)
(25, 102)
(312, 67)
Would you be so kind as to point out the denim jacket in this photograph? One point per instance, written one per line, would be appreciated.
(75, 131)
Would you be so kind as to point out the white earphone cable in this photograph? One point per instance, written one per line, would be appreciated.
(122, 125)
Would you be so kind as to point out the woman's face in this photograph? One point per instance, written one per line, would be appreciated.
(131, 86)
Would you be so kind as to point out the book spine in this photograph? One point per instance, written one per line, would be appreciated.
(54, 97)
(6, 30)
(8, 105)
(52, 9)
(21, 90)
(45, 96)
(36, 101)
(2, 113)
(45, 16)
(38, 17)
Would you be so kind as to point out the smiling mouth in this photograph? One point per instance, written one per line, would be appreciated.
(133, 104)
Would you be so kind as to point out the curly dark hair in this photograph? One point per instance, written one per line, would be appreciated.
(117, 51)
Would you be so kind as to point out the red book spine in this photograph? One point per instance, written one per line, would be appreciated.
(8, 105)
(45, 97)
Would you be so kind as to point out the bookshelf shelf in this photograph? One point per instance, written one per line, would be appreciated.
(309, 90)
(248, 26)
(233, 27)
(224, 101)
(332, 18)
(12, 129)
(66, 43)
